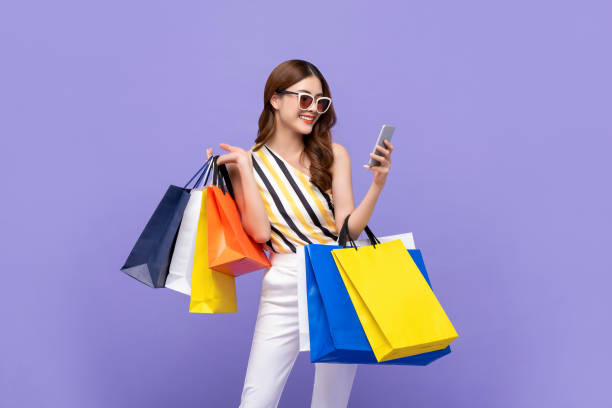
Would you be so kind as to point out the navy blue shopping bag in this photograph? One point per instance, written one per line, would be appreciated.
(336, 335)
(149, 260)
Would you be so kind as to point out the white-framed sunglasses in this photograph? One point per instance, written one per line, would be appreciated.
(305, 101)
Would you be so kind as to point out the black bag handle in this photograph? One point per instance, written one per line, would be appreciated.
(221, 178)
(342, 237)
(215, 172)
(227, 180)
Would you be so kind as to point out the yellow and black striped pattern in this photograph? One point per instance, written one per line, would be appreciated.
(300, 212)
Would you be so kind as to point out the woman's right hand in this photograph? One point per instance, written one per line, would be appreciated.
(253, 216)
(236, 155)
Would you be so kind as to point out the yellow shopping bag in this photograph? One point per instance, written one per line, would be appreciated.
(399, 313)
(211, 291)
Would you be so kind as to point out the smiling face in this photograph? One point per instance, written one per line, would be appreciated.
(287, 111)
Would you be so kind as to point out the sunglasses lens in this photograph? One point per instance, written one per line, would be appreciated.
(305, 101)
(323, 105)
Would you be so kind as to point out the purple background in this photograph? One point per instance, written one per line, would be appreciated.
(500, 170)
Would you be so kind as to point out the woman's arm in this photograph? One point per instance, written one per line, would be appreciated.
(253, 214)
(342, 188)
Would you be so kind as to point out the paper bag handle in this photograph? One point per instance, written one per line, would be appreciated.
(342, 237)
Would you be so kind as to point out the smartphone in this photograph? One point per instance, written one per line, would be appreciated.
(385, 134)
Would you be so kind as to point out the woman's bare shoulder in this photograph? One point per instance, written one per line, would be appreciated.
(341, 155)
(342, 161)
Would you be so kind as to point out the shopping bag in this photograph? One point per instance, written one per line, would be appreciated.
(397, 309)
(230, 249)
(181, 264)
(336, 335)
(211, 291)
(302, 299)
(304, 336)
(149, 259)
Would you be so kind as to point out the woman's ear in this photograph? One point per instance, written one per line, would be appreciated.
(275, 102)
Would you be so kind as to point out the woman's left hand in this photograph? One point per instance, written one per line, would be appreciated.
(383, 156)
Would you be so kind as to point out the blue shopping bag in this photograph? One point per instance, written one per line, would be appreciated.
(149, 260)
(336, 334)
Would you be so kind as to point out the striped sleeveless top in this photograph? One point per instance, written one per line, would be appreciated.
(300, 212)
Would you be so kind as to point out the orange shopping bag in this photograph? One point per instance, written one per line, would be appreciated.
(230, 249)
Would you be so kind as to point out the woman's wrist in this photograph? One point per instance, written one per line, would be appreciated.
(377, 185)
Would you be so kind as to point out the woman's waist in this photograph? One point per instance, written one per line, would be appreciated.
(290, 259)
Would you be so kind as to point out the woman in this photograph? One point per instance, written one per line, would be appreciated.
(284, 187)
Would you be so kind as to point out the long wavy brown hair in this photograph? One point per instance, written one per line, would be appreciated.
(318, 143)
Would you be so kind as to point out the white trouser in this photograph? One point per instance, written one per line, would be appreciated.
(275, 346)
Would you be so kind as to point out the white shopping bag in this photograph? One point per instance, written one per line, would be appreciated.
(179, 275)
(408, 241)
(302, 301)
